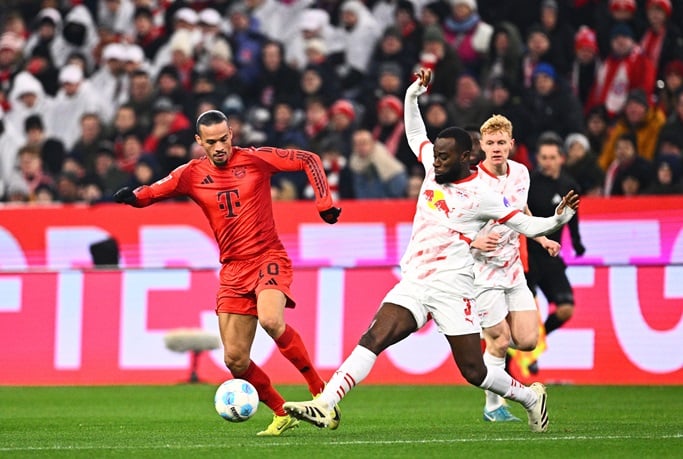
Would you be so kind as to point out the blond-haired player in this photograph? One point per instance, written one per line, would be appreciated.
(506, 306)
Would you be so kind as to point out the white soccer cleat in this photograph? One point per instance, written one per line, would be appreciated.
(538, 414)
(314, 412)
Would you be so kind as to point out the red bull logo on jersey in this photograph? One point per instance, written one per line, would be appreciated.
(435, 200)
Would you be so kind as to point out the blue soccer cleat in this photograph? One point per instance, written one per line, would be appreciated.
(500, 414)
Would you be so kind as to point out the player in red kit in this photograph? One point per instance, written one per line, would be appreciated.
(232, 186)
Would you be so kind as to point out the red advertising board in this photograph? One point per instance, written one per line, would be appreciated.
(64, 322)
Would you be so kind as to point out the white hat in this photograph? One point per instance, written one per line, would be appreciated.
(471, 3)
(316, 44)
(186, 15)
(71, 73)
(210, 16)
(221, 49)
(134, 53)
(313, 19)
(115, 51)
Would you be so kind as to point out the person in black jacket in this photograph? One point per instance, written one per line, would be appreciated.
(548, 184)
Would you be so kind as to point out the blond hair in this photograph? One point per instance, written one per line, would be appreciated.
(497, 123)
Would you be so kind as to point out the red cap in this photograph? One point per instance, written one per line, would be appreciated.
(622, 5)
(585, 38)
(663, 4)
(344, 107)
(391, 102)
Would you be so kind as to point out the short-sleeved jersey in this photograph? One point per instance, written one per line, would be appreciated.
(502, 267)
(447, 219)
(236, 198)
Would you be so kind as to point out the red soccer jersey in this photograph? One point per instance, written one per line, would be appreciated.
(236, 198)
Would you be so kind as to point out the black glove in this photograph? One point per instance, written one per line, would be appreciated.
(579, 249)
(125, 195)
(331, 215)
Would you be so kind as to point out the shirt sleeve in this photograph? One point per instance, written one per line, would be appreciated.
(287, 160)
(497, 207)
(416, 132)
(168, 187)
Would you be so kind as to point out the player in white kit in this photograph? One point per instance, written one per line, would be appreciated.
(505, 305)
(437, 272)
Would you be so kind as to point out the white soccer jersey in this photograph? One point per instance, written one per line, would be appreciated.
(447, 219)
(502, 267)
(449, 216)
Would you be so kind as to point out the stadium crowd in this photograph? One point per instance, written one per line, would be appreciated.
(100, 94)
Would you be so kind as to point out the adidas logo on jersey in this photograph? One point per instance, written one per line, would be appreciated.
(271, 282)
(207, 179)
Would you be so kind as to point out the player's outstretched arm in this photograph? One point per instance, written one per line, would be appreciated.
(569, 201)
(416, 132)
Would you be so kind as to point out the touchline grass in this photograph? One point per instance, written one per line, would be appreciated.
(179, 421)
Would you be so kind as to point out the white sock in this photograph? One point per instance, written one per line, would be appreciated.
(501, 383)
(493, 400)
(354, 369)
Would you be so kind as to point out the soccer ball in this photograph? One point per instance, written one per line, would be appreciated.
(236, 400)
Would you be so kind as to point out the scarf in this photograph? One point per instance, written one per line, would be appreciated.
(465, 26)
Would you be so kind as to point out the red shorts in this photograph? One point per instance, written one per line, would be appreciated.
(242, 280)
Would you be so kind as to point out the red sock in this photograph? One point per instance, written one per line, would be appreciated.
(267, 393)
(292, 347)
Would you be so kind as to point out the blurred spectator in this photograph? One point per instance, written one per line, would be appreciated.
(561, 35)
(376, 174)
(582, 165)
(342, 124)
(537, 51)
(360, 32)
(283, 129)
(47, 27)
(45, 195)
(315, 122)
(79, 35)
(505, 101)
(110, 81)
(167, 120)
(172, 152)
(672, 85)
(132, 151)
(640, 119)
(585, 63)
(667, 176)
(316, 81)
(51, 149)
(117, 15)
(68, 188)
(27, 98)
(145, 172)
(337, 171)
(553, 107)
(170, 87)
(614, 12)
(313, 24)
(625, 69)
(10, 142)
(210, 28)
(40, 65)
(468, 106)
(391, 51)
(184, 37)
(275, 18)
(409, 27)
(662, 40)
(30, 173)
(106, 173)
(11, 60)
(476, 155)
(75, 98)
(672, 130)
(467, 33)
(389, 81)
(85, 148)
(276, 80)
(504, 56)
(141, 98)
(440, 58)
(629, 172)
(245, 42)
(435, 114)
(146, 33)
(597, 128)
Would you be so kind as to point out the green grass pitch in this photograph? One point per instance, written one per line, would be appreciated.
(179, 421)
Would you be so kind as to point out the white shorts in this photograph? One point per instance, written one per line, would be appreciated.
(453, 314)
(493, 304)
